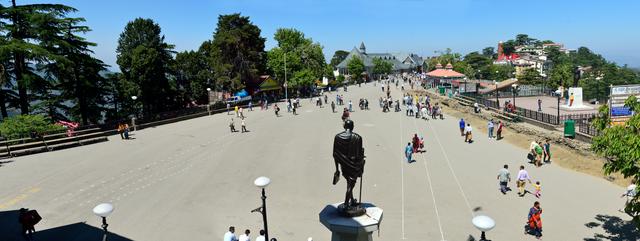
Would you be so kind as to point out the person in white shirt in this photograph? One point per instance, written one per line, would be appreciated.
(467, 133)
(261, 237)
(523, 176)
(230, 236)
(630, 193)
(245, 236)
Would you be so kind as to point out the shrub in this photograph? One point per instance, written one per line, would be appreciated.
(22, 125)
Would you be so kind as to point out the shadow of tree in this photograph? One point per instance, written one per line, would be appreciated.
(615, 229)
(10, 230)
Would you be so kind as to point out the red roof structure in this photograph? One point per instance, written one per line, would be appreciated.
(445, 73)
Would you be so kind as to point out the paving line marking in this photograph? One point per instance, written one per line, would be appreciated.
(433, 195)
(455, 177)
(402, 178)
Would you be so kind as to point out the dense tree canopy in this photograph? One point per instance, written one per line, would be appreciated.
(144, 59)
(356, 69)
(237, 52)
(338, 57)
(619, 145)
(305, 61)
(381, 67)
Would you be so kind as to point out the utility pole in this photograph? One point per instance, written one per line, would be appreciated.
(286, 87)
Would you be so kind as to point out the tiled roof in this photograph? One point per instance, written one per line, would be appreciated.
(444, 73)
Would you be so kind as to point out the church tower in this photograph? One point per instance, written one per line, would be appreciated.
(362, 48)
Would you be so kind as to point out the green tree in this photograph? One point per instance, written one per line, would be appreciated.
(529, 76)
(356, 69)
(489, 52)
(304, 59)
(561, 75)
(338, 57)
(22, 28)
(192, 76)
(22, 125)
(619, 145)
(509, 47)
(237, 52)
(499, 72)
(381, 67)
(144, 59)
(75, 75)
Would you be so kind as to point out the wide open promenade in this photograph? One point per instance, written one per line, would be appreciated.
(193, 179)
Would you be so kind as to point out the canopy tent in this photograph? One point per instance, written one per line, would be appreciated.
(269, 84)
(242, 93)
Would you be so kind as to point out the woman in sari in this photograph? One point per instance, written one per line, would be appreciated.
(535, 220)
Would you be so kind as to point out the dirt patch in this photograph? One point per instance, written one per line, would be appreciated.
(570, 154)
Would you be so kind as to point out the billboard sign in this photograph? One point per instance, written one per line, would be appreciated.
(619, 113)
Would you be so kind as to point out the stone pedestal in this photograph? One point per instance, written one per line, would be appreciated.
(351, 229)
(577, 100)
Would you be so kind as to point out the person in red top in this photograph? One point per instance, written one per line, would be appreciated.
(535, 220)
(416, 143)
(500, 126)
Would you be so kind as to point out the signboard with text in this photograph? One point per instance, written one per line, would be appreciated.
(619, 113)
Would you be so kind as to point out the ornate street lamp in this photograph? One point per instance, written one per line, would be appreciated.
(135, 115)
(484, 224)
(262, 183)
(103, 210)
(514, 88)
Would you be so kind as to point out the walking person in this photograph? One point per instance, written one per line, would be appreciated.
(461, 124)
(126, 131)
(538, 189)
(232, 126)
(535, 220)
(350, 106)
(540, 105)
(121, 130)
(629, 194)
(333, 107)
(523, 177)
(250, 105)
(228, 107)
(490, 128)
(230, 235)
(504, 177)
(28, 219)
(547, 151)
(468, 136)
(499, 132)
(244, 126)
(236, 109)
(416, 143)
(276, 109)
(408, 151)
(245, 236)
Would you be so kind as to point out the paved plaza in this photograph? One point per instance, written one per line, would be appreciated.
(549, 105)
(193, 179)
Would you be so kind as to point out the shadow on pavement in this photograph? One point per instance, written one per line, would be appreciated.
(10, 230)
(615, 229)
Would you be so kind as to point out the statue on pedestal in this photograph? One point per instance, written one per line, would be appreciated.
(348, 153)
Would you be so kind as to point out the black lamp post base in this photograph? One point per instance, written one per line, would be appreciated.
(483, 237)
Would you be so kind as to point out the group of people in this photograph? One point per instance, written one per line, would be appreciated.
(534, 218)
(246, 236)
(243, 124)
(415, 146)
(123, 131)
(539, 151)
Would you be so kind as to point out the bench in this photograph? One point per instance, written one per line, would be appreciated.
(502, 116)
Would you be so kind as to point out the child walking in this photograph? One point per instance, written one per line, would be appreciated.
(538, 189)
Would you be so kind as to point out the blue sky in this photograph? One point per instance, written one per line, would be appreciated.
(419, 26)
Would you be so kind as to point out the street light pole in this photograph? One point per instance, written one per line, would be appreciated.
(103, 210)
(286, 87)
(515, 92)
(263, 182)
(497, 100)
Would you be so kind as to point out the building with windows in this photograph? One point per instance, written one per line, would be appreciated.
(402, 62)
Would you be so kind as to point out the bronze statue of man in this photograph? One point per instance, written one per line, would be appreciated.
(349, 154)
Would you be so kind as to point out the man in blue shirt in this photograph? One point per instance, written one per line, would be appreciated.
(490, 128)
(462, 125)
(408, 151)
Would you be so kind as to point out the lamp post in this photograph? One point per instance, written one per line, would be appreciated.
(484, 224)
(286, 88)
(514, 89)
(558, 117)
(103, 210)
(497, 100)
(209, 100)
(262, 183)
(133, 118)
(465, 84)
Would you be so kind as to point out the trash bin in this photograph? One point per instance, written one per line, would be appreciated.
(570, 128)
(441, 90)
